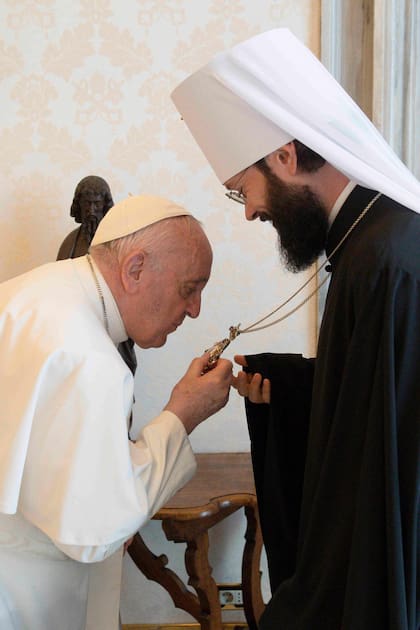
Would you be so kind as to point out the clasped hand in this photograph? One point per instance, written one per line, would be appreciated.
(251, 386)
(200, 394)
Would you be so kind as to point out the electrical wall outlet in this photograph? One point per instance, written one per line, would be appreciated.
(230, 597)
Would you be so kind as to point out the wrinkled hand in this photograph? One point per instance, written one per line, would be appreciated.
(251, 386)
(198, 396)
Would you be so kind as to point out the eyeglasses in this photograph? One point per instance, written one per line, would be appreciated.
(237, 196)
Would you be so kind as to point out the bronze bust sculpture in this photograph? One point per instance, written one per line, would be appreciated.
(92, 200)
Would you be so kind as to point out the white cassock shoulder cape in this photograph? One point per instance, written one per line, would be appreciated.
(72, 486)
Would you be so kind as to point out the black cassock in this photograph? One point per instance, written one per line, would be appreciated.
(336, 453)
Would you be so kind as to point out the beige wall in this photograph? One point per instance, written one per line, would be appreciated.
(85, 90)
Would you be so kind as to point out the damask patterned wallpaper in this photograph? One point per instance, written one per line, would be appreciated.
(85, 90)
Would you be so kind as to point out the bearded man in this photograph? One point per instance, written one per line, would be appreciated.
(334, 440)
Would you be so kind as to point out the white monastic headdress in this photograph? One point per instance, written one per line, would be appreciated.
(271, 89)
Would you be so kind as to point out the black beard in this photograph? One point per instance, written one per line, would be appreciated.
(300, 219)
(89, 226)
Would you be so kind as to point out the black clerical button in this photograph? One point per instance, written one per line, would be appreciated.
(328, 268)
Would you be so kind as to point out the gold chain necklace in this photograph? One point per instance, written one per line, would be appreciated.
(234, 331)
(100, 293)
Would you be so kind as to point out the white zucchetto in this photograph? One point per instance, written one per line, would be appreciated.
(133, 214)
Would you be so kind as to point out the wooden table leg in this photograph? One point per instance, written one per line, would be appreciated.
(154, 568)
(251, 575)
(200, 578)
(204, 606)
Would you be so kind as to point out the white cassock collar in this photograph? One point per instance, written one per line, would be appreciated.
(339, 202)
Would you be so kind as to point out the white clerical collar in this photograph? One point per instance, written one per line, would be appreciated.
(116, 326)
(339, 202)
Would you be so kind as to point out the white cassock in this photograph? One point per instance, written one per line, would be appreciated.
(73, 488)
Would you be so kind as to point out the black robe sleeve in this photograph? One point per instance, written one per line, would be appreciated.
(278, 434)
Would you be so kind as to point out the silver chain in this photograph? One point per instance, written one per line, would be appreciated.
(101, 295)
(254, 327)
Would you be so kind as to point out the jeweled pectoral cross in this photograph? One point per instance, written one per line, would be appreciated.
(217, 348)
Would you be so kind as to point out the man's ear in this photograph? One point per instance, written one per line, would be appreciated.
(131, 269)
(283, 161)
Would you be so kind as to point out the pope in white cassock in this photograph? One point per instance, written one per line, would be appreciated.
(73, 488)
